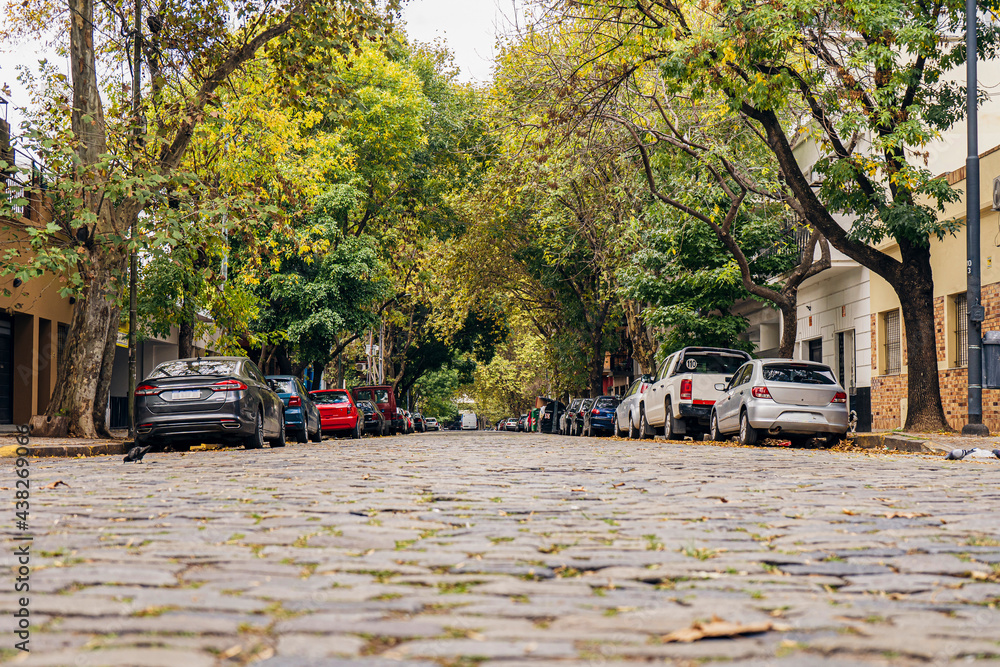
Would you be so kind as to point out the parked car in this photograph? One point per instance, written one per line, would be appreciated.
(219, 400)
(548, 417)
(566, 418)
(302, 417)
(419, 423)
(600, 418)
(679, 401)
(431, 424)
(469, 421)
(338, 414)
(375, 422)
(576, 428)
(522, 423)
(781, 397)
(627, 412)
(384, 398)
(511, 424)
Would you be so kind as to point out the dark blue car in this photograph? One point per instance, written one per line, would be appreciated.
(302, 419)
(600, 418)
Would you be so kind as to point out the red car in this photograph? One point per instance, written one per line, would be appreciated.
(337, 412)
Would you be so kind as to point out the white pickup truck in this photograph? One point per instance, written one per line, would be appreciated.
(679, 400)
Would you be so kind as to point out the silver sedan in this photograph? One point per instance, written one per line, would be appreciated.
(778, 398)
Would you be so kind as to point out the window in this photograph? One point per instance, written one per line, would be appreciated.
(330, 398)
(798, 374)
(722, 363)
(816, 350)
(195, 367)
(961, 330)
(893, 355)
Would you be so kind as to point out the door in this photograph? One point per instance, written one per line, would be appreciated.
(727, 408)
(6, 370)
(846, 367)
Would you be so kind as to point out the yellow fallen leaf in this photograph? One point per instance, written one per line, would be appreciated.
(849, 512)
(718, 628)
(904, 515)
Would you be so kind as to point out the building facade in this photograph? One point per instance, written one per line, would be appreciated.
(948, 255)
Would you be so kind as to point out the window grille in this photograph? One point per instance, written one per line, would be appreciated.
(893, 358)
(961, 330)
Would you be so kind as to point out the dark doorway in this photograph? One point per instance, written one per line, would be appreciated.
(816, 350)
(6, 370)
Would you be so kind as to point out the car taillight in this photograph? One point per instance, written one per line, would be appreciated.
(839, 397)
(760, 392)
(294, 401)
(147, 390)
(686, 389)
(229, 385)
(595, 412)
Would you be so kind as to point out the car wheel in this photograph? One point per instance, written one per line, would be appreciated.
(748, 434)
(633, 432)
(713, 428)
(832, 439)
(357, 431)
(318, 436)
(669, 426)
(256, 439)
(303, 434)
(280, 440)
(645, 431)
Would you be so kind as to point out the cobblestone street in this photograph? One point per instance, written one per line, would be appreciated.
(462, 548)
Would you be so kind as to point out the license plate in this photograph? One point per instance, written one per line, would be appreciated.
(185, 395)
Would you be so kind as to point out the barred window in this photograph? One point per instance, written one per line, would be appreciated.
(961, 330)
(893, 356)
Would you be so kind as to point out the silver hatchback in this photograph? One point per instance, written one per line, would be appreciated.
(778, 398)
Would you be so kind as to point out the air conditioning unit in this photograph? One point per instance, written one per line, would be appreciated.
(996, 193)
(361, 367)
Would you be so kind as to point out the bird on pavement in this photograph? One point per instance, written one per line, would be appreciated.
(136, 453)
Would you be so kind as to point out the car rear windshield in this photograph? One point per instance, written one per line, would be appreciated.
(329, 398)
(710, 362)
(181, 368)
(798, 373)
(381, 395)
(607, 403)
(365, 406)
(285, 385)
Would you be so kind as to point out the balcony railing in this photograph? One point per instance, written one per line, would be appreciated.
(23, 179)
(792, 242)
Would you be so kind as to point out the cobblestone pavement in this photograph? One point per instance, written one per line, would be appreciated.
(462, 548)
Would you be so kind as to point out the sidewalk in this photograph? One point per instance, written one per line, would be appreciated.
(928, 443)
(66, 447)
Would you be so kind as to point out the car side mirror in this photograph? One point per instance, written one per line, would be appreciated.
(719, 386)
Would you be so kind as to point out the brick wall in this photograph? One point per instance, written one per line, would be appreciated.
(889, 390)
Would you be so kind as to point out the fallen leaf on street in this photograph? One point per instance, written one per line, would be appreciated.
(904, 515)
(618, 484)
(365, 476)
(719, 628)
(849, 512)
(56, 483)
(579, 489)
(231, 652)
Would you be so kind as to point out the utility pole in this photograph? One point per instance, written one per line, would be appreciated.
(973, 293)
(133, 236)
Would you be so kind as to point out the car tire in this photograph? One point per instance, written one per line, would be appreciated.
(748, 434)
(303, 434)
(256, 439)
(645, 430)
(318, 436)
(280, 440)
(832, 440)
(615, 430)
(356, 433)
(669, 429)
(633, 432)
(713, 429)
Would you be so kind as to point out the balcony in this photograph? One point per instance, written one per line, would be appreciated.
(23, 178)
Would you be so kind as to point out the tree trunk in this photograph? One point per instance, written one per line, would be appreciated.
(94, 315)
(318, 368)
(916, 298)
(643, 344)
(789, 326)
(596, 370)
(185, 339)
(284, 363)
(104, 381)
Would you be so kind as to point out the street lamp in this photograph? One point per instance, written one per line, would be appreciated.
(976, 311)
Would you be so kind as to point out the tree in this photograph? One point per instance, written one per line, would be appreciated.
(109, 179)
(867, 86)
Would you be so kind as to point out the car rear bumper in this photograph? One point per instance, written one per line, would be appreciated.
(212, 428)
(691, 411)
(340, 423)
(293, 418)
(797, 420)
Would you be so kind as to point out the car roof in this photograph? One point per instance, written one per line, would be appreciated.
(281, 377)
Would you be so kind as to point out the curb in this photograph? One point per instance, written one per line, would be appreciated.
(898, 444)
(68, 451)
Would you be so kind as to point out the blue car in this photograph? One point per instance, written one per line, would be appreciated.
(600, 417)
(302, 419)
